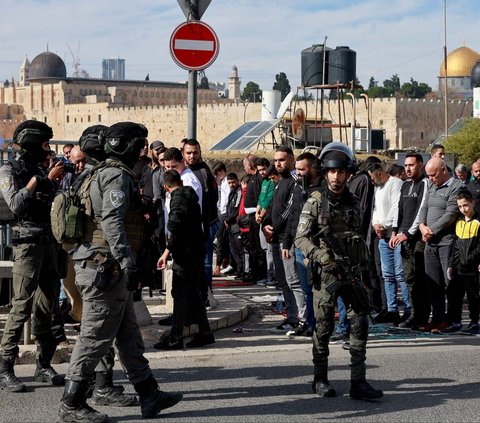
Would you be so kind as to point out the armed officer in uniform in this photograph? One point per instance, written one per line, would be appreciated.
(329, 235)
(106, 272)
(29, 191)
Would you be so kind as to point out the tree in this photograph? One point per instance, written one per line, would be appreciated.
(466, 142)
(392, 85)
(413, 89)
(282, 84)
(252, 92)
(372, 83)
(204, 83)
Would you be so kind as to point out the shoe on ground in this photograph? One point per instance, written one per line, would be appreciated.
(301, 330)
(284, 327)
(109, 396)
(169, 344)
(8, 380)
(362, 390)
(166, 321)
(410, 323)
(49, 375)
(261, 282)
(427, 327)
(454, 327)
(152, 404)
(201, 340)
(338, 338)
(323, 389)
(388, 317)
(225, 270)
(438, 327)
(472, 329)
(82, 413)
(346, 346)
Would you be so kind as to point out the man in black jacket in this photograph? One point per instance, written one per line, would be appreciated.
(187, 247)
(274, 227)
(308, 181)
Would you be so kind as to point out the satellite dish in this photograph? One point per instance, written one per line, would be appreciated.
(298, 124)
(285, 105)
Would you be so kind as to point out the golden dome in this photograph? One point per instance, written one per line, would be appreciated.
(460, 63)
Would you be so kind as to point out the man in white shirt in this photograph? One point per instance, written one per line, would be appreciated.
(387, 197)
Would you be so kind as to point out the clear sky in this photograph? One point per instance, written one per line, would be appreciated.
(260, 37)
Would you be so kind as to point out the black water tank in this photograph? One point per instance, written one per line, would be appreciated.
(475, 78)
(312, 65)
(342, 65)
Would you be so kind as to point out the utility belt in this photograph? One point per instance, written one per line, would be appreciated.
(108, 271)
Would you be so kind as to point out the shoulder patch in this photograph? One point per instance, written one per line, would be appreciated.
(6, 183)
(117, 198)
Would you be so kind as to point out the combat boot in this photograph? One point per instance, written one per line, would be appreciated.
(323, 389)
(74, 407)
(8, 380)
(152, 399)
(362, 390)
(106, 393)
(46, 374)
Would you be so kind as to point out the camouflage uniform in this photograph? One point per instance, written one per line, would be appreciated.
(345, 223)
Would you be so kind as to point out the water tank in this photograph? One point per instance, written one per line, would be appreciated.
(312, 65)
(271, 100)
(475, 78)
(342, 65)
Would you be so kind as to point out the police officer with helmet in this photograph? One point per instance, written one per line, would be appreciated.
(28, 191)
(105, 267)
(329, 235)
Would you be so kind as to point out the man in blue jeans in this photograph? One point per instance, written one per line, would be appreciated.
(387, 197)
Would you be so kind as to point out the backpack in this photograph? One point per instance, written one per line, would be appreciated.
(72, 207)
(68, 211)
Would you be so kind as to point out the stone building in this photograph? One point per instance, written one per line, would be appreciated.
(69, 105)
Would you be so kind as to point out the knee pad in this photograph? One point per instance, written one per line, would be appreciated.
(360, 327)
(324, 330)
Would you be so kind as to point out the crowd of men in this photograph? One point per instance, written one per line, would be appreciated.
(329, 234)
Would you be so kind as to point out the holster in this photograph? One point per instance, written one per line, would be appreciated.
(108, 273)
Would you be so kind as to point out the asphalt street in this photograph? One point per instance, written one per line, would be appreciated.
(252, 375)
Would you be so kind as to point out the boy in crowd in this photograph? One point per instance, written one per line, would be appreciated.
(462, 271)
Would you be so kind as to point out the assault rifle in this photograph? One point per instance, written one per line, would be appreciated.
(349, 275)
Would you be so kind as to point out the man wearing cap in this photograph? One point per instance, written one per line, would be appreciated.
(29, 191)
(106, 272)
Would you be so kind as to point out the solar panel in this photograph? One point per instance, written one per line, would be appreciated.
(246, 136)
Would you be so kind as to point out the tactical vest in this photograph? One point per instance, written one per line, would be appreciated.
(38, 208)
(345, 223)
(133, 220)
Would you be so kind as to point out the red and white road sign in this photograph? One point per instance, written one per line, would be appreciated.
(194, 45)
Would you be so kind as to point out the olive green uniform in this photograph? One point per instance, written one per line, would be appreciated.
(343, 218)
(108, 314)
(35, 279)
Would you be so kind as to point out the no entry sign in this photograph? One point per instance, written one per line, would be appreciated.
(194, 45)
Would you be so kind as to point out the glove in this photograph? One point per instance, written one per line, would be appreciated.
(130, 276)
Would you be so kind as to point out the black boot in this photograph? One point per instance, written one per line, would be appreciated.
(362, 390)
(106, 393)
(152, 400)
(46, 374)
(8, 380)
(323, 389)
(74, 407)
(200, 340)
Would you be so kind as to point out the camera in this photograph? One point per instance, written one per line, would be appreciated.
(68, 167)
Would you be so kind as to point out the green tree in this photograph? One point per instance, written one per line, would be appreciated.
(372, 83)
(282, 84)
(252, 92)
(392, 85)
(466, 142)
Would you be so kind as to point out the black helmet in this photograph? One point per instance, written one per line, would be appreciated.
(337, 155)
(32, 131)
(30, 135)
(125, 140)
(92, 142)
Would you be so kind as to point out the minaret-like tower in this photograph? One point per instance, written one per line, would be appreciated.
(234, 84)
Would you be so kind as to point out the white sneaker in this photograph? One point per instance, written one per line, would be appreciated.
(284, 327)
(226, 269)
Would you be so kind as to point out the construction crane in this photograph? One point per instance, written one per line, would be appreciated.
(76, 61)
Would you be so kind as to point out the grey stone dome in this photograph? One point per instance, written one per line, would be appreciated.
(47, 65)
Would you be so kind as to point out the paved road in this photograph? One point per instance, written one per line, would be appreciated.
(256, 376)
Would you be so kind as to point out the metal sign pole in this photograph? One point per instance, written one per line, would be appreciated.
(192, 105)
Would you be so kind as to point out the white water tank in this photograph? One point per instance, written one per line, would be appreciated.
(271, 100)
